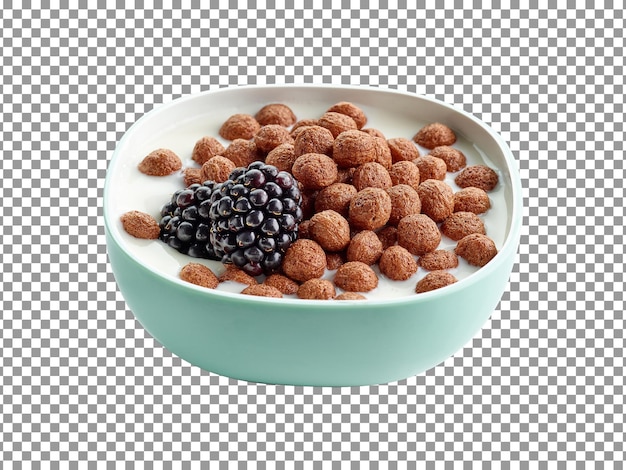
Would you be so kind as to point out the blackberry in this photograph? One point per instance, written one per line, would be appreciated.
(185, 223)
(254, 217)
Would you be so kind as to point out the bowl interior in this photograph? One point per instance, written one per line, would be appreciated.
(179, 124)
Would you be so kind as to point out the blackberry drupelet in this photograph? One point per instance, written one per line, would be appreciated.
(254, 217)
(185, 223)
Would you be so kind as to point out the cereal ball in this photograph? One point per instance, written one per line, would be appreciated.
(369, 209)
(242, 152)
(455, 159)
(302, 123)
(355, 276)
(434, 280)
(419, 234)
(397, 263)
(471, 199)
(140, 225)
(262, 290)
(371, 175)
(330, 229)
(271, 136)
(275, 113)
(336, 123)
(434, 135)
(477, 249)
(383, 153)
(304, 260)
(334, 260)
(206, 148)
(437, 199)
(350, 109)
(375, 133)
(431, 167)
(353, 148)
(282, 157)
(337, 197)
(314, 139)
(160, 162)
(217, 169)
(388, 236)
(239, 126)
(344, 175)
(404, 201)
(350, 296)
(365, 247)
(314, 170)
(282, 283)
(460, 224)
(438, 260)
(303, 229)
(199, 275)
(193, 176)
(478, 176)
(317, 289)
(402, 149)
(235, 274)
(405, 172)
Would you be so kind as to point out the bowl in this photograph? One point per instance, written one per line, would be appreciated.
(294, 341)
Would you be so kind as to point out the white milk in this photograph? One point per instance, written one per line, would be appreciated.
(136, 191)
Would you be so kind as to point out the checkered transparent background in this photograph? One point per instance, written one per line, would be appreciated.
(82, 381)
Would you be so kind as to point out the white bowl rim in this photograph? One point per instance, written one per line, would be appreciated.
(510, 244)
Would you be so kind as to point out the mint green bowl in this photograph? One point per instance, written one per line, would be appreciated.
(293, 341)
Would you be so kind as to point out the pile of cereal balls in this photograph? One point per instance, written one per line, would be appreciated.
(287, 201)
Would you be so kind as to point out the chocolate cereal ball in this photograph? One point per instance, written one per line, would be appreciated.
(383, 153)
(337, 197)
(199, 274)
(275, 113)
(262, 290)
(388, 236)
(405, 172)
(239, 126)
(369, 209)
(330, 229)
(317, 289)
(140, 225)
(282, 157)
(336, 123)
(438, 260)
(471, 199)
(206, 148)
(460, 224)
(478, 176)
(334, 260)
(160, 162)
(397, 263)
(404, 201)
(353, 148)
(455, 159)
(302, 123)
(434, 280)
(242, 152)
(419, 234)
(371, 175)
(437, 199)
(355, 276)
(314, 170)
(271, 136)
(477, 249)
(375, 133)
(217, 169)
(192, 176)
(402, 149)
(304, 260)
(350, 296)
(434, 135)
(350, 109)
(431, 168)
(366, 247)
(282, 283)
(314, 139)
